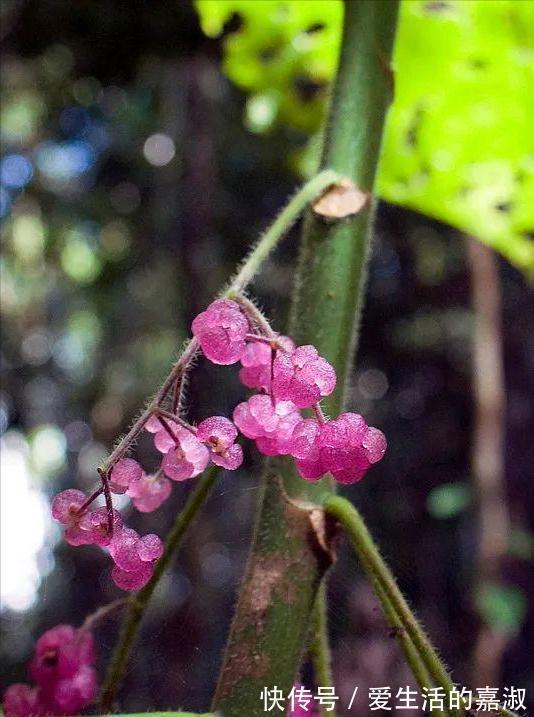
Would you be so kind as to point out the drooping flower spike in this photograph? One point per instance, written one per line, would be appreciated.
(288, 379)
(63, 670)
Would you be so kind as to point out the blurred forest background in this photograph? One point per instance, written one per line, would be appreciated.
(132, 182)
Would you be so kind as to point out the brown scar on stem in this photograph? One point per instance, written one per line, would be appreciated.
(387, 71)
(275, 576)
(341, 200)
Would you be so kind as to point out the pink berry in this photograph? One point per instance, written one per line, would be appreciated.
(150, 547)
(256, 366)
(271, 425)
(22, 701)
(164, 435)
(65, 508)
(75, 536)
(72, 695)
(149, 492)
(219, 434)
(65, 505)
(374, 444)
(123, 549)
(60, 652)
(124, 473)
(256, 362)
(304, 440)
(62, 666)
(132, 580)
(217, 429)
(221, 331)
(302, 376)
(96, 524)
(344, 447)
(187, 459)
(231, 458)
(133, 557)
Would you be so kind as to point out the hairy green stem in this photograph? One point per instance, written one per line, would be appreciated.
(380, 574)
(281, 225)
(138, 603)
(320, 646)
(265, 647)
(398, 631)
(393, 602)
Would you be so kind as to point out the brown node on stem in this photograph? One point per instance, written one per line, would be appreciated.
(274, 576)
(341, 200)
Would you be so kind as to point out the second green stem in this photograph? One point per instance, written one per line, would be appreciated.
(395, 605)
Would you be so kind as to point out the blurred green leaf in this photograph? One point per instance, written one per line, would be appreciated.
(458, 144)
(449, 500)
(503, 607)
(521, 544)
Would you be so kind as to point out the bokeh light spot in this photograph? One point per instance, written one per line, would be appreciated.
(159, 149)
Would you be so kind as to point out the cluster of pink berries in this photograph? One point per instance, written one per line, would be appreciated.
(288, 379)
(62, 668)
(133, 555)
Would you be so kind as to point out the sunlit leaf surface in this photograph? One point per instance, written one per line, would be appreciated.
(458, 146)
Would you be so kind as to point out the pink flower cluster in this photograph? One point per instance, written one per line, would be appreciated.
(289, 379)
(186, 453)
(62, 668)
(133, 556)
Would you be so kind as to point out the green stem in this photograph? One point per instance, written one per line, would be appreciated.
(139, 601)
(267, 648)
(411, 655)
(281, 225)
(380, 574)
(320, 646)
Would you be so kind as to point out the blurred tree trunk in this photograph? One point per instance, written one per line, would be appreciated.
(488, 448)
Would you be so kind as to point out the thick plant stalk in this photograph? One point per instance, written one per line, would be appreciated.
(267, 638)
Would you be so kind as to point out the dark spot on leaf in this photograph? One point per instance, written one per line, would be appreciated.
(412, 133)
(306, 89)
(478, 63)
(268, 54)
(316, 27)
(437, 6)
(425, 171)
(234, 23)
(503, 206)
(528, 234)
